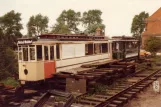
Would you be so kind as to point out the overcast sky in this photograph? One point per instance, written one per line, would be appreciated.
(117, 14)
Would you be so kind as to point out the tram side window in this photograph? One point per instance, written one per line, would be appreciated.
(32, 52)
(89, 49)
(39, 52)
(57, 51)
(51, 52)
(25, 54)
(46, 52)
(104, 47)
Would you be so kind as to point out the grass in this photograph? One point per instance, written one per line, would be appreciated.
(10, 81)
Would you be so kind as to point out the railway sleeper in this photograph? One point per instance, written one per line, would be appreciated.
(140, 88)
(153, 78)
(135, 90)
(117, 102)
(82, 101)
(102, 96)
(124, 99)
(133, 94)
(157, 75)
(128, 95)
(122, 86)
(111, 105)
(94, 99)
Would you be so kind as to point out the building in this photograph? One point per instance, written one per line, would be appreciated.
(153, 26)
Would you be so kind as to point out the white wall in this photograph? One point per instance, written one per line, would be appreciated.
(73, 50)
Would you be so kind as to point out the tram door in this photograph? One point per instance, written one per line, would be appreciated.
(49, 62)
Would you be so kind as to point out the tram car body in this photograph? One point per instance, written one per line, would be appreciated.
(124, 47)
(53, 53)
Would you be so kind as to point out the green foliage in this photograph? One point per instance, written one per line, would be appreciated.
(153, 45)
(10, 27)
(91, 29)
(8, 62)
(60, 28)
(10, 81)
(92, 17)
(67, 22)
(37, 25)
(92, 20)
(138, 24)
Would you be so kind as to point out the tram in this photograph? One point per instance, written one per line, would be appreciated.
(40, 59)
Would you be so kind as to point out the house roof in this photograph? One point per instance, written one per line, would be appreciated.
(155, 15)
(153, 24)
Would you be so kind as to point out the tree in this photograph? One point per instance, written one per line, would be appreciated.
(153, 45)
(92, 20)
(138, 24)
(61, 28)
(92, 28)
(10, 26)
(37, 25)
(67, 22)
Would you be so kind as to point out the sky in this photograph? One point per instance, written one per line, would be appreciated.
(117, 15)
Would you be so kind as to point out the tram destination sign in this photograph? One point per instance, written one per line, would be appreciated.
(24, 41)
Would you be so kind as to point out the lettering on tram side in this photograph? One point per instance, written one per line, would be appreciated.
(22, 42)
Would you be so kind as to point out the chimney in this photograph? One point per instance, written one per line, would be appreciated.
(98, 32)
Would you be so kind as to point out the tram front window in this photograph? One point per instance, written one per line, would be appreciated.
(25, 54)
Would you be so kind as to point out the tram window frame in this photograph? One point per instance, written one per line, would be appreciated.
(57, 51)
(103, 47)
(32, 55)
(52, 52)
(88, 49)
(25, 56)
(39, 53)
(46, 52)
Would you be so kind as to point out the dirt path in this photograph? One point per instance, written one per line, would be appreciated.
(147, 98)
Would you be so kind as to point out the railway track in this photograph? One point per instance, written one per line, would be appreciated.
(121, 93)
(115, 96)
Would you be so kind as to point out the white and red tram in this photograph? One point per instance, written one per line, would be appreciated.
(52, 53)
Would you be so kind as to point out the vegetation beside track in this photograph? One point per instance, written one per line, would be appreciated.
(10, 81)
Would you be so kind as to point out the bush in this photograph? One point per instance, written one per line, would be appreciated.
(8, 62)
(153, 45)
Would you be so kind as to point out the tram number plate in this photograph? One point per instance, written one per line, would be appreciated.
(156, 86)
(22, 82)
